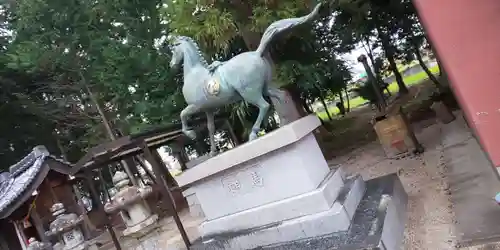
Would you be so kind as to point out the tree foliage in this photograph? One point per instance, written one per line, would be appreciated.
(96, 67)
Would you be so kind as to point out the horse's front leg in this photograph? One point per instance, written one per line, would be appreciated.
(185, 114)
(211, 132)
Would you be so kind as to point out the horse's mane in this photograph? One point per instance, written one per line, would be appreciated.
(189, 40)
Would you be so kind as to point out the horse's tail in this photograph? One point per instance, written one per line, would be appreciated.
(281, 26)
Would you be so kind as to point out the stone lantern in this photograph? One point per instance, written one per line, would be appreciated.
(129, 200)
(33, 244)
(68, 227)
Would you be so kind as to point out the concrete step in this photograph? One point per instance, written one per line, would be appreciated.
(378, 222)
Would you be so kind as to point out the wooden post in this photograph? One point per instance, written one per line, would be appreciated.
(38, 223)
(88, 227)
(100, 207)
(143, 166)
(234, 138)
(165, 170)
(20, 235)
(166, 193)
(179, 152)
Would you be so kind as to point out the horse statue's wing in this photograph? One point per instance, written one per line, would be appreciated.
(283, 25)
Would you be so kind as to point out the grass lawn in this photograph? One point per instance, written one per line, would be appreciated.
(393, 87)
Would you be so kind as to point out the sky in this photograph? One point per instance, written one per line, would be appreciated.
(352, 61)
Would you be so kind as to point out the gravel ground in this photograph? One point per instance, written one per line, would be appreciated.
(430, 220)
(430, 224)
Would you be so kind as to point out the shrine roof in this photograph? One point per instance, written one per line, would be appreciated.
(24, 177)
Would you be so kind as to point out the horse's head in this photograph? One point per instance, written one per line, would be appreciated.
(185, 49)
(177, 53)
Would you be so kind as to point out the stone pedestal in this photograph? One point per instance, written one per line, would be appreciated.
(129, 201)
(272, 190)
(67, 226)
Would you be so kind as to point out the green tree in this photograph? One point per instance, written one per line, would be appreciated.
(108, 52)
(412, 36)
(365, 20)
(216, 23)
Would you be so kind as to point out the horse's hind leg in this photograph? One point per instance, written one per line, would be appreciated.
(185, 114)
(211, 132)
(263, 105)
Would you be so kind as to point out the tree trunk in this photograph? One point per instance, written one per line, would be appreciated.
(294, 93)
(243, 13)
(341, 105)
(389, 53)
(376, 70)
(394, 68)
(104, 119)
(440, 66)
(323, 102)
(348, 100)
(109, 130)
(387, 90)
(426, 69)
(62, 151)
(442, 71)
(341, 98)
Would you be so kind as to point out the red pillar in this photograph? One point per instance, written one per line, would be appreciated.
(466, 35)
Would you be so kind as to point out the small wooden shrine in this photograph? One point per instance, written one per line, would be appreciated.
(27, 192)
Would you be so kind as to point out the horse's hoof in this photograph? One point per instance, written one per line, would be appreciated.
(191, 134)
(213, 153)
(252, 136)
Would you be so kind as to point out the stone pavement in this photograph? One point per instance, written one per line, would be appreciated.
(473, 184)
(450, 186)
(430, 219)
(174, 241)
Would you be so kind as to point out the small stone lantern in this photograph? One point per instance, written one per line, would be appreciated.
(33, 244)
(129, 200)
(67, 226)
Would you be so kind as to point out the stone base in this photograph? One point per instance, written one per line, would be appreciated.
(279, 189)
(323, 199)
(311, 225)
(162, 236)
(141, 228)
(377, 223)
(257, 173)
